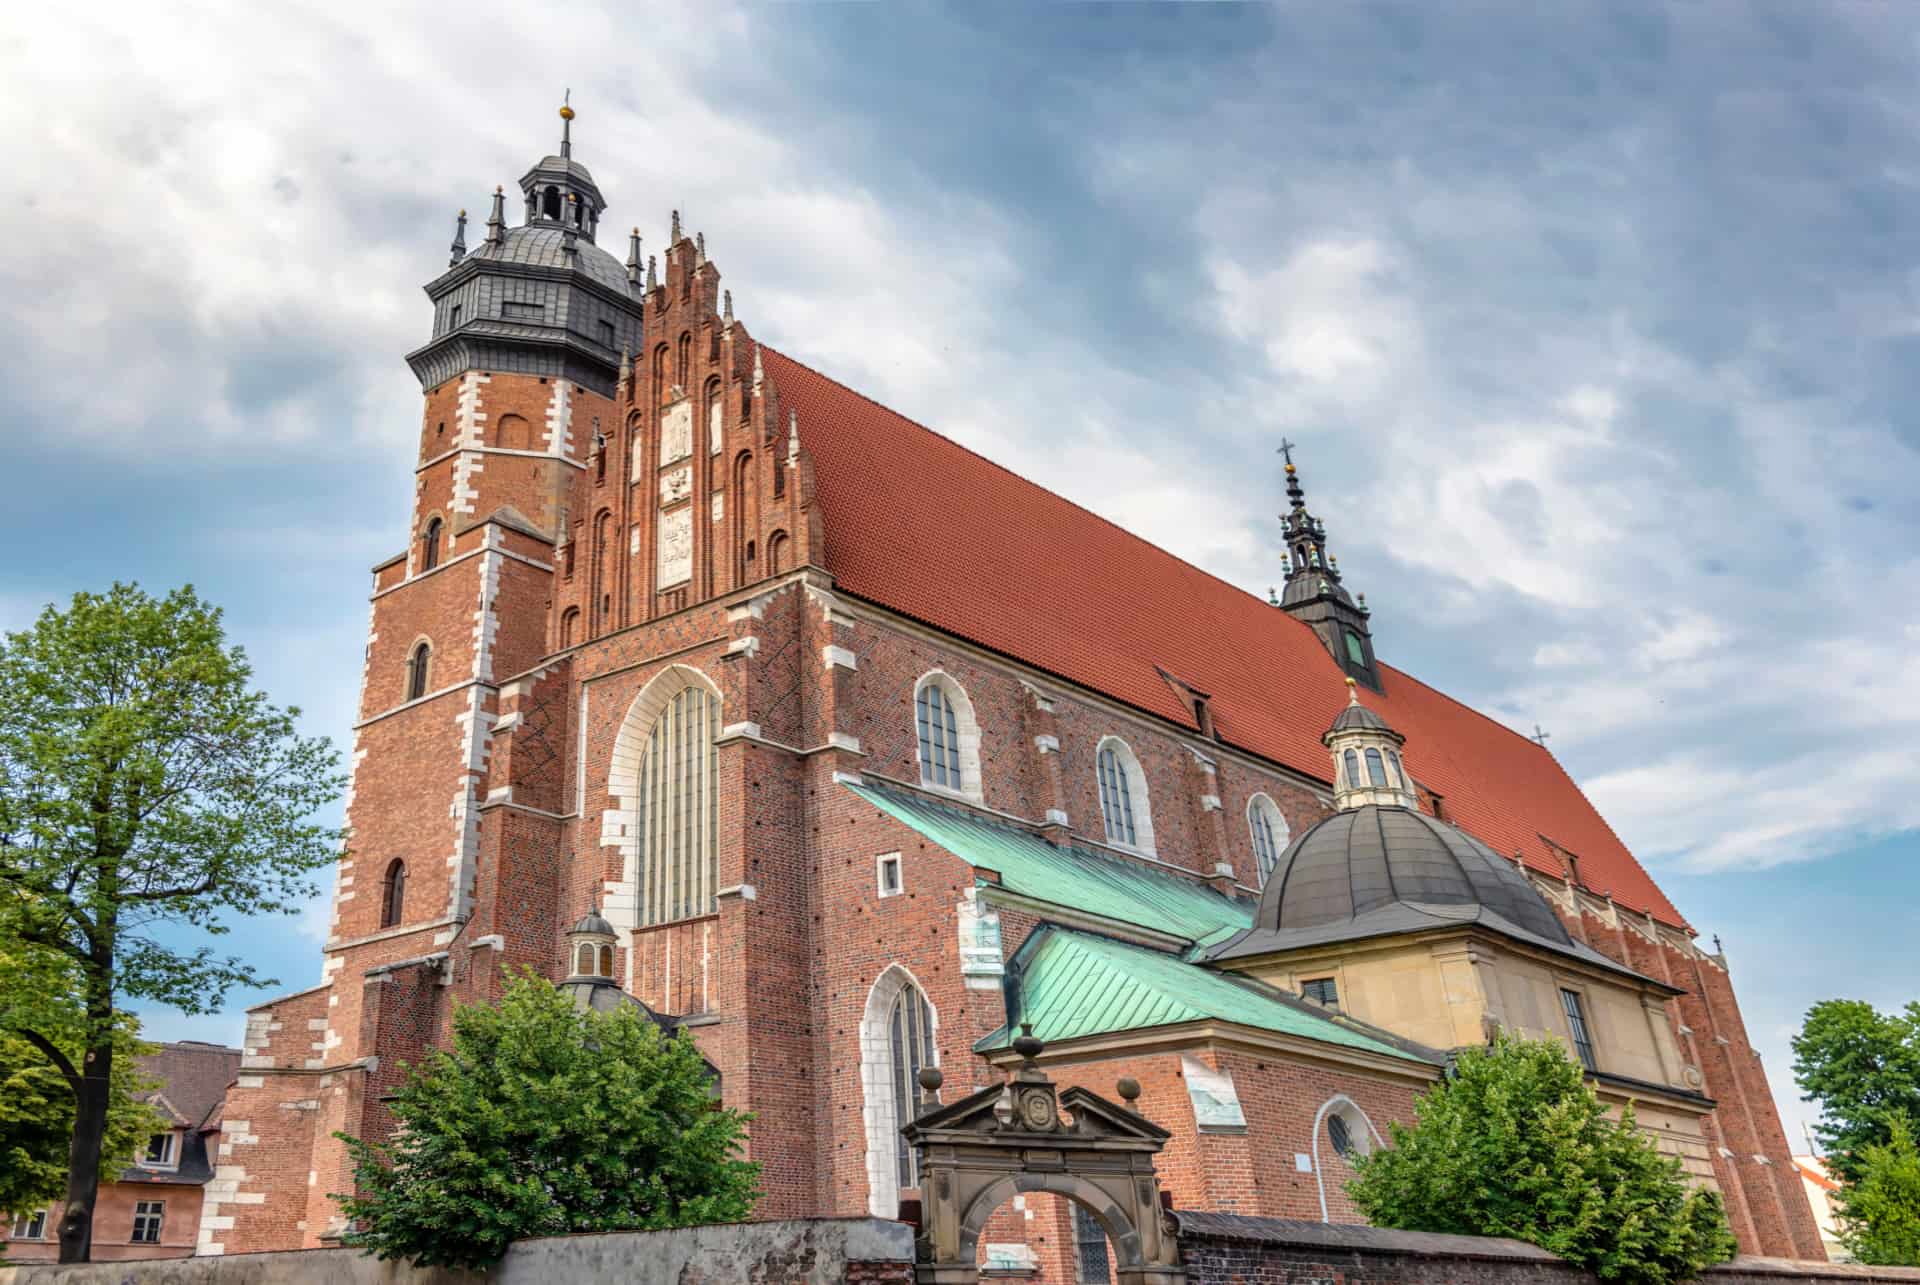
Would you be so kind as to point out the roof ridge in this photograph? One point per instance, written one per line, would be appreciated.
(1021, 477)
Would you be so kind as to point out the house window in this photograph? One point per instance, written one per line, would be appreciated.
(1376, 771)
(453, 316)
(889, 874)
(1322, 991)
(393, 894)
(147, 1215)
(417, 672)
(1090, 1247)
(607, 337)
(1123, 796)
(1269, 829)
(678, 817)
(909, 1048)
(939, 739)
(521, 310)
(31, 1226)
(159, 1153)
(1577, 1028)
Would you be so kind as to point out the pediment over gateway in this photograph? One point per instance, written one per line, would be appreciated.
(1028, 1109)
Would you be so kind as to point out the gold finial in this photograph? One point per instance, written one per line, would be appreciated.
(463, 214)
(566, 113)
(498, 188)
(1353, 692)
(566, 106)
(1290, 470)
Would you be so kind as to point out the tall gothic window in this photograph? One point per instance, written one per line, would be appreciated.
(909, 1048)
(393, 895)
(430, 546)
(1123, 796)
(939, 738)
(678, 819)
(417, 666)
(1269, 829)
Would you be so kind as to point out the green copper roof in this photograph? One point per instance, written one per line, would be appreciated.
(1068, 985)
(1077, 879)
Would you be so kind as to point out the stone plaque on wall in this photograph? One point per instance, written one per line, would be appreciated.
(713, 426)
(676, 485)
(1216, 1105)
(676, 431)
(676, 546)
(981, 961)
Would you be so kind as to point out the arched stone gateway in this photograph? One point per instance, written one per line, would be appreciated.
(1007, 1141)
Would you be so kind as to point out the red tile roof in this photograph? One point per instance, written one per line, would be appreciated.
(923, 526)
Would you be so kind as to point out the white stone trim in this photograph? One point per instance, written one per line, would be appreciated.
(1137, 796)
(843, 741)
(1057, 817)
(1210, 803)
(1262, 802)
(966, 728)
(617, 830)
(832, 656)
(1046, 744)
(876, 1063)
(1350, 1109)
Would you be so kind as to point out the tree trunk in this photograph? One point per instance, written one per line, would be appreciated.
(89, 1130)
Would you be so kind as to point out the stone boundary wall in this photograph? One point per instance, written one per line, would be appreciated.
(813, 1251)
(1232, 1249)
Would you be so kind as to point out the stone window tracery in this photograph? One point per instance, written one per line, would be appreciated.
(1123, 796)
(946, 735)
(896, 1042)
(1270, 834)
(677, 817)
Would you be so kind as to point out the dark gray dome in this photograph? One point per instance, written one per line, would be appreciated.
(592, 922)
(1375, 870)
(1356, 715)
(542, 245)
(1305, 588)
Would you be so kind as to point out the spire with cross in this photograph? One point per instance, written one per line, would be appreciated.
(1539, 737)
(1314, 592)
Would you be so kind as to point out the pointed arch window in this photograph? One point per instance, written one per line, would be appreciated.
(417, 666)
(678, 816)
(1269, 828)
(1123, 796)
(430, 545)
(393, 894)
(946, 735)
(896, 1044)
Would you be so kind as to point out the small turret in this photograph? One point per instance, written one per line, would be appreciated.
(459, 246)
(633, 258)
(590, 945)
(1366, 759)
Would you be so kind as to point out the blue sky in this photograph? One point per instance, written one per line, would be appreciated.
(1600, 332)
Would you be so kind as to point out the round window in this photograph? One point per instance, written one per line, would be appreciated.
(1338, 1133)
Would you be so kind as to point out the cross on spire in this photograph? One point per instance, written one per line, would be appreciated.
(1286, 449)
(1539, 737)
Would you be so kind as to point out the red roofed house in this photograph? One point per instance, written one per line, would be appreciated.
(151, 1210)
(705, 679)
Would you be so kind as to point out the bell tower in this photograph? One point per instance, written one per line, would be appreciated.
(1313, 591)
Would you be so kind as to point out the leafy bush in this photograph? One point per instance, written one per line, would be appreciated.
(1879, 1215)
(1515, 1143)
(545, 1119)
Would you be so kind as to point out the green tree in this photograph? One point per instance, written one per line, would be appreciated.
(1879, 1213)
(1514, 1143)
(1863, 1066)
(545, 1119)
(143, 786)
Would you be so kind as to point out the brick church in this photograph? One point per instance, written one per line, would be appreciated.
(707, 684)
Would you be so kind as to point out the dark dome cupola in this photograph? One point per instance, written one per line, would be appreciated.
(559, 190)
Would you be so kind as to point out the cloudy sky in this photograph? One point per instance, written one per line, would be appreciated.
(1600, 334)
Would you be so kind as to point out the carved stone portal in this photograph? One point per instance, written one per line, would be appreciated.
(983, 1150)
